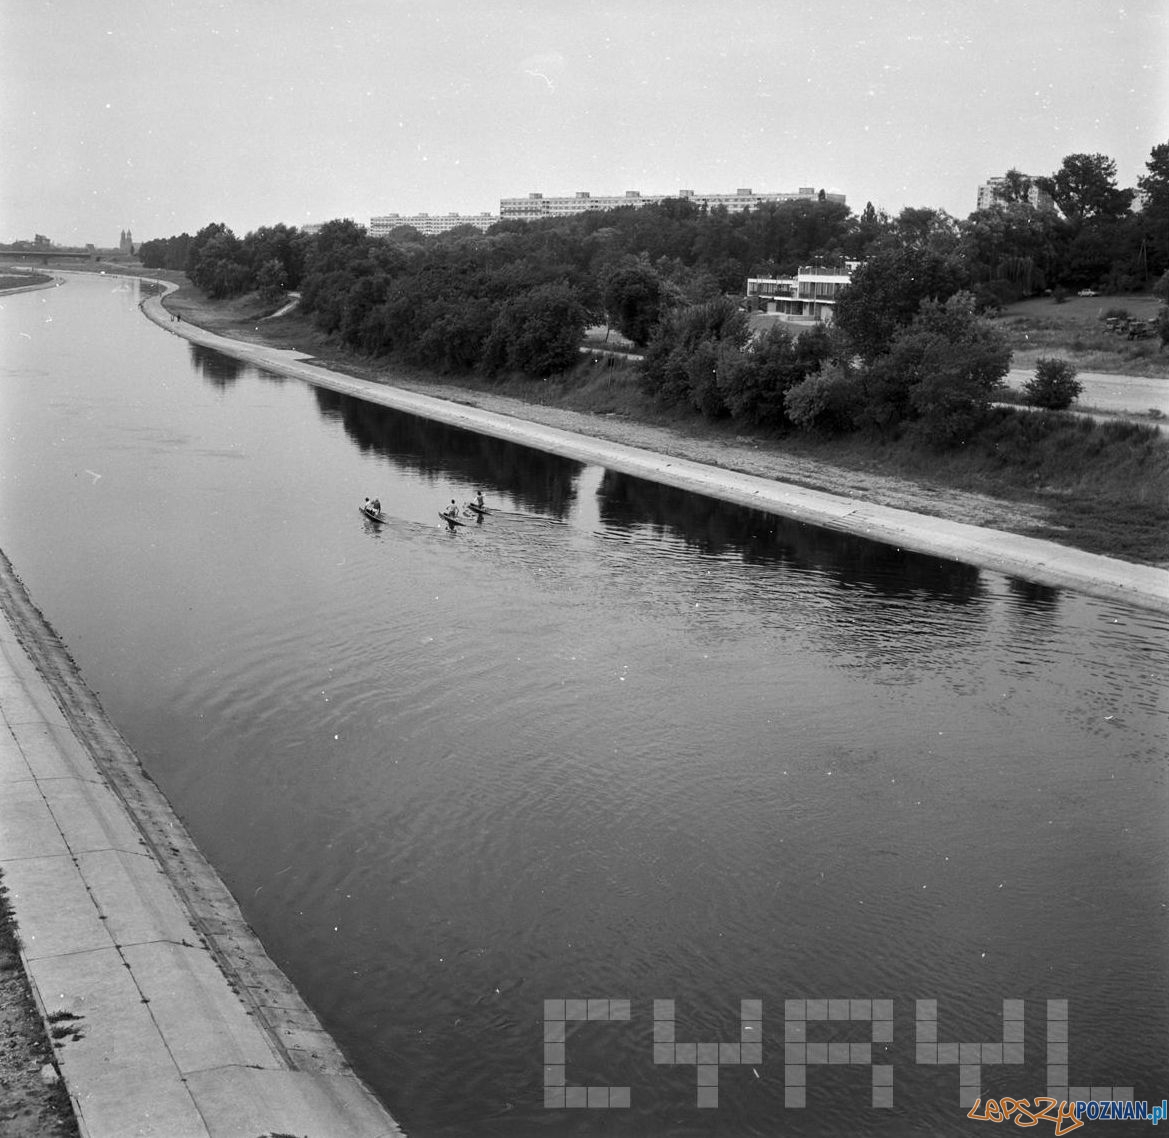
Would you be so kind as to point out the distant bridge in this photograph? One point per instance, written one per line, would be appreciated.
(44, 256)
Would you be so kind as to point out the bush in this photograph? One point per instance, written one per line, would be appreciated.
(754, 380)
(1054, 385)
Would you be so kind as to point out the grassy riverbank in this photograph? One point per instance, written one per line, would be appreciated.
(1103, 487)
(14, 280)
(1075, 330)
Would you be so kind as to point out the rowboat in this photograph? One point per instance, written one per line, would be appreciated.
(451, 521)
(482, 511)
(378, 516)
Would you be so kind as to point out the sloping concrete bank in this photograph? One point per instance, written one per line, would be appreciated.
(171, 1020)
(1026, 557)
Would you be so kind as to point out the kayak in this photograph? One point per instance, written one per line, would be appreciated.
(452, 522)
(482, 511)
(374, 515)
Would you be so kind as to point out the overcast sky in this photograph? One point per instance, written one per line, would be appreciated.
(164, 115)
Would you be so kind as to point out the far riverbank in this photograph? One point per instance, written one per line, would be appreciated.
(956, 524)
(1102, 489)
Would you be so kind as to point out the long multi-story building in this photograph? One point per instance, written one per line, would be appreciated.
(807, 298)
(535, 206)
(428, 224)
(993, 191)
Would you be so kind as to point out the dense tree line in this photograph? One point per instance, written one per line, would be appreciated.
(910, 348)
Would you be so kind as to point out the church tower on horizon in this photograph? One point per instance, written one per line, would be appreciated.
(126, 242)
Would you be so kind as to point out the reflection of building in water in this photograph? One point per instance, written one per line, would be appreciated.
(535, 206)
(807, 298)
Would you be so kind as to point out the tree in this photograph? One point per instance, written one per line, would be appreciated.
(1012, 243)
(216, 262)
(1084, 189)
(270, 280)
(1054, 385)
(871, 227)
(755, 380)
(924, 228)
(276, 243)
(634, 297)
(886, 292)
(538, 333)
(954, 361)
(681, 360)
(939, 372)
(1154, 215)
(1015, 188)
(165, 253)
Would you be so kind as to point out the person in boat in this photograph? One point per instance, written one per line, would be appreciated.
(479, 503)
(367, 505)
(376, 505)
(452, 511)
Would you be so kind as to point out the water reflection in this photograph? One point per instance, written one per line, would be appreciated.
(1032, 594)
(219, 370)
(716, 528)
(542, 482)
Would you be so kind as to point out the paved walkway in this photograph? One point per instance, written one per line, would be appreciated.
(172, 1021)
(1026, 557)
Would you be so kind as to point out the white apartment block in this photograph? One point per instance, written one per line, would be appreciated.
(535, 206)
(807, 298)
(993, 191)
(429, 225)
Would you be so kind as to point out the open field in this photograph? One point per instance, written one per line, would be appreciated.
(1075, 331)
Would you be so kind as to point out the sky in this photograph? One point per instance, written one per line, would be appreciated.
(162, 116)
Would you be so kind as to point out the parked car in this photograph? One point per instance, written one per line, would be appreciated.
(1087, 292)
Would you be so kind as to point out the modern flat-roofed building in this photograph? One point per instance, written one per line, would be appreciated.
(535, 206)
(807, 298)
(428, 225)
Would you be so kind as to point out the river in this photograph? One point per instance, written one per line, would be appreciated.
(617, 742)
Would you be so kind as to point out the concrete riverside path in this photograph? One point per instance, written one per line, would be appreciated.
(172, 1020)
(1029, 558)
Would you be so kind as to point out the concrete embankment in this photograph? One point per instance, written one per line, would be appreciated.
(171, 1020)
(1029, 558)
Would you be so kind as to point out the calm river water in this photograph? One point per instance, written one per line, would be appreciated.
(616, 743)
